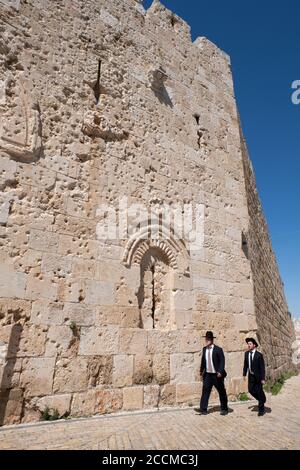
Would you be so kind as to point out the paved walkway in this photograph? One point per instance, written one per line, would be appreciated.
(171, 429)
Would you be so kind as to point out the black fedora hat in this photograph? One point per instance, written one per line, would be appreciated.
(252, 340)
(209, 335)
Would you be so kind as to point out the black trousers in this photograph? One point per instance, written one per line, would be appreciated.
(255, 388)
(210, 381)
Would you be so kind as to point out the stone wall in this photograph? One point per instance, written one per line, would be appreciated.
(275, 328)
(101, 99)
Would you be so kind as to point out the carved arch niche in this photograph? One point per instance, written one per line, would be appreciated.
(20, 126)
(161, 262)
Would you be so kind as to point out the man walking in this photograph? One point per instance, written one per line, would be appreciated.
(213, 372)
(254, 364)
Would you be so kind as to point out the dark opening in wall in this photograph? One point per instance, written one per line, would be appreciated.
(245, 245)
(153, 297)
(173, 20)
(197, 117)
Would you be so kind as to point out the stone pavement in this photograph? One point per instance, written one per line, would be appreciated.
(171, 429)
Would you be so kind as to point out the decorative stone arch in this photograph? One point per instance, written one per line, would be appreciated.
(165, 240)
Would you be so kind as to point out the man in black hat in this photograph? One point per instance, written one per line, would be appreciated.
(254, 364)
(213, 372)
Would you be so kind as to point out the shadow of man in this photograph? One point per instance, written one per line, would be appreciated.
(8, 370)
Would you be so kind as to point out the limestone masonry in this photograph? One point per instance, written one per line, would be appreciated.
(102, 100)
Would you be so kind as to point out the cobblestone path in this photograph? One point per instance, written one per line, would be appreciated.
(171, 429)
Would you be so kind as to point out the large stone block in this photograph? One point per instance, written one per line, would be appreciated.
(44, 312)
(142, 373)
(167, 395)
(12, 310)
(122, 370)
(133, 398)
(184, 300)
(32, 341)
(161, 368)
(43, 241)
(84, 403)
(163, 342)
(12, 283)
(59, 340)
(99, 293)
(60, 403)
(41, 288)
(151, 396)
(100, 370)
(11, 371)
(11, 406)
(70, 375)
(188, 393)
(190, 341)
(109, 400)
(56, 264)
(37, 376)
(81, 314)
(133, 341)
(182, 368)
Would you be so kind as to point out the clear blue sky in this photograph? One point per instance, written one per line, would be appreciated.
(263, 39)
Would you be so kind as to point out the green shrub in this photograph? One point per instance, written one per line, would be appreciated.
(46, 414)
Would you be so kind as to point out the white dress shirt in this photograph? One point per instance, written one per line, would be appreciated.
(209, 351)
(251, 352)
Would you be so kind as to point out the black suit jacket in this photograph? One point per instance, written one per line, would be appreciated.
(258, 365)
(218, 360)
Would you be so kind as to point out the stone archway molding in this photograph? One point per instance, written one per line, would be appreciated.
(171, 246)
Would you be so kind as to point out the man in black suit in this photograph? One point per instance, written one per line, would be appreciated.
(213, 372)
(254, 364)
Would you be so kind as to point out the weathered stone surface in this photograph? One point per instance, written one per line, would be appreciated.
(13, 400)
(60, 403)
(47, 313)
(70, 375)
(81, 314)
(100, 370)
(275, 329)
(168, 395)
(37, 376)
(161, 368)
(100, 341)
(163, 342)
(12, 284)
(182, 368)
(108, 400)
(151, 396)
(32, 341)
(188, 393)
(99, 293)
(133, 398)
(133, 341)
(142, 372)
(84, 403)
(122, 370)
(59, 340)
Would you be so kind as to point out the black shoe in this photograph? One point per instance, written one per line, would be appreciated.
(224, 412)
(198, 410)
(202, 413)
(261, 413)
